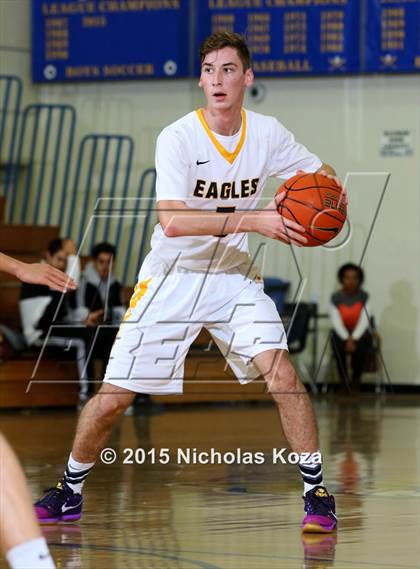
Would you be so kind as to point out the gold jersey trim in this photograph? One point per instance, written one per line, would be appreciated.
(139, 291)
(229, 156)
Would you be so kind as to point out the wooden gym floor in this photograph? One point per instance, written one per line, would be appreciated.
(235, 516)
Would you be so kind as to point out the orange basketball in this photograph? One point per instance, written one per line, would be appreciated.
(315, 202)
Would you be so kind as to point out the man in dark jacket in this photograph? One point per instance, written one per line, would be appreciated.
(98, 288)
(100, 292)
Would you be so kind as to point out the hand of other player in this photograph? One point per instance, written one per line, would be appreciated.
(271, 224)
(42, 273)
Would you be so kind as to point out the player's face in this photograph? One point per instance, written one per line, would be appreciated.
(103, 264)
(351, 281)
(224, 79)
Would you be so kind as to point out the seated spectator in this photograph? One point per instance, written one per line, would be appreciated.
(50, 317)
(98, 288)
(351, 335)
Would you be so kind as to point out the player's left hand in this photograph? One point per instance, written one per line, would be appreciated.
(42, 273)
(336, 179)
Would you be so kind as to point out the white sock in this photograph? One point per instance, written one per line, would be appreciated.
(33, 554)
(311, 471)
(76, 474)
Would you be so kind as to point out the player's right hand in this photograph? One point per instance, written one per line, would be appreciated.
(271, 224)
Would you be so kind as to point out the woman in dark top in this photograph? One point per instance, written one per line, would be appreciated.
(349, 312)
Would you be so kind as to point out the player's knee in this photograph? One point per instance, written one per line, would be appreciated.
(112, 405)
(283, 379)
(279, 386)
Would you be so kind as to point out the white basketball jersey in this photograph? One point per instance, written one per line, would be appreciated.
(212, 172)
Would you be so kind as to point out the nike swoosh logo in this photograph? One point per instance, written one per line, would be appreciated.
(65, 508)
(327, 229)
(42, 557)
(199, 163)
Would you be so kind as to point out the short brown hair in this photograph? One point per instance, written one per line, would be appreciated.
(219, 40)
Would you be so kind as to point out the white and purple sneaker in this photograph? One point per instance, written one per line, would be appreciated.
(320, 511)
(60, 504)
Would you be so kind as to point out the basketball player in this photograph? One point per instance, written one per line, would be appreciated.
(20, 537)
(212, 165)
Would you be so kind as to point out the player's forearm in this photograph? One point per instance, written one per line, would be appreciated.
(182, 223)
(9, 265)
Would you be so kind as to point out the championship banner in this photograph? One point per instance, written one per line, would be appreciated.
(93, 40)
(393, 36)
(289, 38)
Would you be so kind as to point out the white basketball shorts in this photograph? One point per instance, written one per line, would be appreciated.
(168, 309)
